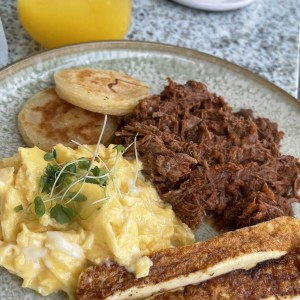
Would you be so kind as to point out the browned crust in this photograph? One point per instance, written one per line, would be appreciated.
(278, 278)
(46, 120)
(95, 80)
(281, 234)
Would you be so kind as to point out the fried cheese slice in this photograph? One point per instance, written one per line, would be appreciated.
(189, 265)
(272, 279)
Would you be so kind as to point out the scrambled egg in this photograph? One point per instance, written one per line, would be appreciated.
(131, 223)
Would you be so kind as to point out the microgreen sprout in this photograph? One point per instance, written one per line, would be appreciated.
(39, 205)
(18, 208)
(62, 214)
(50, 156)
(89, 150)
(136, 168)
(61, 184)
(120, 148)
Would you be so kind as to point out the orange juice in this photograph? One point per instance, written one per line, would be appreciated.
(55, 23)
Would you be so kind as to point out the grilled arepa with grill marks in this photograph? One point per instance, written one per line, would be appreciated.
(102, 91)
(46, 120)
(193, 264)
(272, 279)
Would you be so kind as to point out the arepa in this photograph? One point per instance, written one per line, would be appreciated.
(102, 91)
(46, 120)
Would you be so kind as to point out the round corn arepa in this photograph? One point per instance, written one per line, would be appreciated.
(103, 91)
(46, 120)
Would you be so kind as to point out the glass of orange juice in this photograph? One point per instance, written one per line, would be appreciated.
(54, 23)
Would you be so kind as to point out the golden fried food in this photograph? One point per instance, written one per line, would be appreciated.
(46, 120)
(103, 91)
(193, 264)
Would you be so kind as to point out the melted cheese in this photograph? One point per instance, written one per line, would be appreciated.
(243, 261)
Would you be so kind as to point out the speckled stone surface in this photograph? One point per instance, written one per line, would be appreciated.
(152, 67)
(263, 37)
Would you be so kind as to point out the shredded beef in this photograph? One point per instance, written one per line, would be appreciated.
(204, 158)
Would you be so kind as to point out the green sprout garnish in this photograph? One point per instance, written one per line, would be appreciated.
(56, 196)
(18, 208)
(120, 148)
(56, 182)
(62, 214)
(84, 163)
(39, 205)
(50, 156)
(77, 197)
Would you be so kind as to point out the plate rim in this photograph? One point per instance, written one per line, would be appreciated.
(15, 67)
(33, 59)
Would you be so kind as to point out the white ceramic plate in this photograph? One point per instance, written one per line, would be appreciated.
(215, 5)
(151, 63)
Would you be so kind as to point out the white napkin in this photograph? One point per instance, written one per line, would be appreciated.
(3, 47)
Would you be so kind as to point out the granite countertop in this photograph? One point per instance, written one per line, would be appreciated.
(263, 37)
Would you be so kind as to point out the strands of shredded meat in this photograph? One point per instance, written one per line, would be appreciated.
(204, 158)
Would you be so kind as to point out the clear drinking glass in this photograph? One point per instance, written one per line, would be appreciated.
(55, 23)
